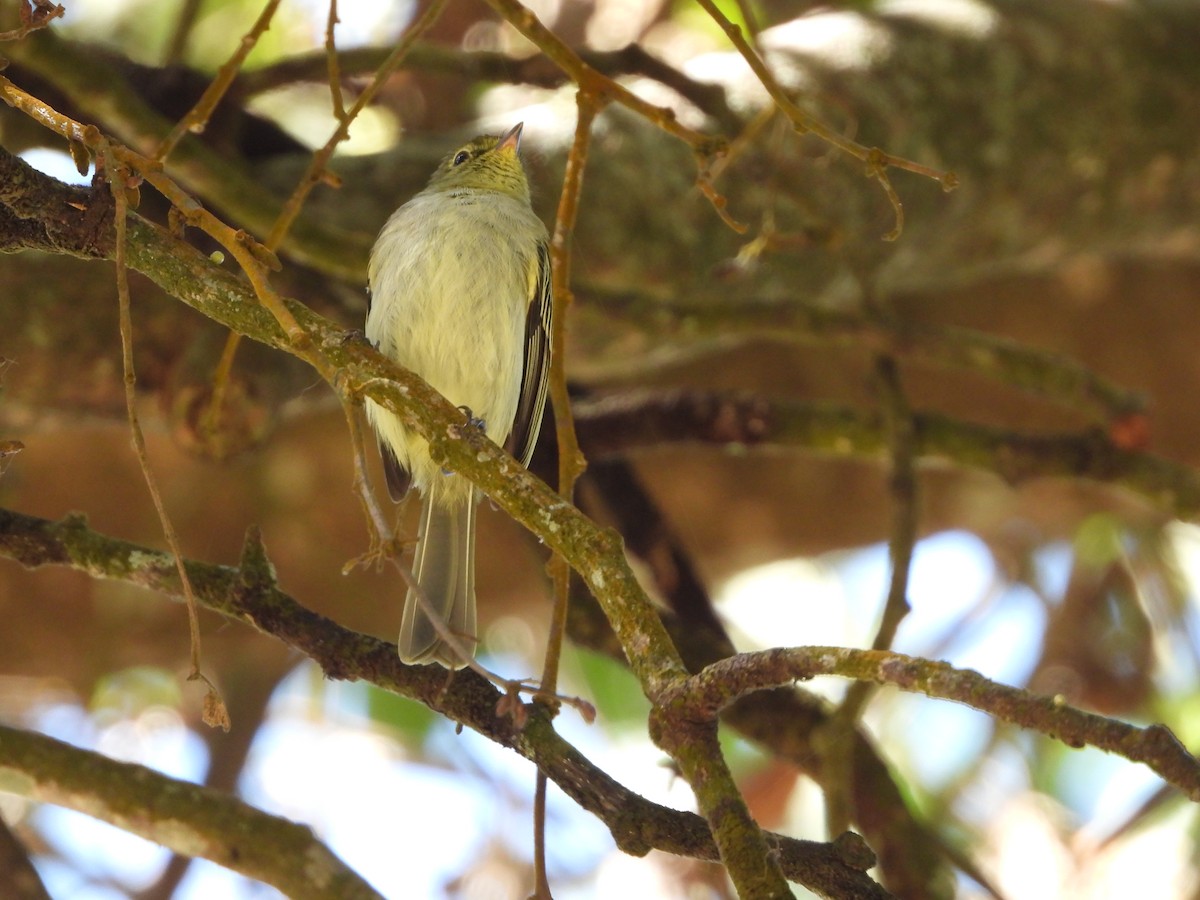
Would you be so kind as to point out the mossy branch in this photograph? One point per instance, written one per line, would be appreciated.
(721, 683)
(595, 553)
(223, 182)
(249, 594)
(1038, 372)
(188, 818)
(644, 421)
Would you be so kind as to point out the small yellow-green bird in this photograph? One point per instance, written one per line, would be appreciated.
(460, 294)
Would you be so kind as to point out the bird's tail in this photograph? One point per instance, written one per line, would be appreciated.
(444, 567)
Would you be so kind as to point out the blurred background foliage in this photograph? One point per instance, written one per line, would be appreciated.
(1073, 126)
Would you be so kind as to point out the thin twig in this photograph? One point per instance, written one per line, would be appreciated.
(571, 462)
(34, 16)
(594, 83)
(184, 22)
(383, 542)
(332, 67)
(210, 418)
(198, 116)
(317, 166)
(195, 121)
(902, 484)
(591, 82)
(747, 14)
(877, 160)
(721, 683)
(215, 713)
(840, 731)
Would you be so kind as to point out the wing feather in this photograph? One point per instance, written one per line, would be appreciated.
(398, 478)
(536, 372)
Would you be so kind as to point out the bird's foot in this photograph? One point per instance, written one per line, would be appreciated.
(473, 420)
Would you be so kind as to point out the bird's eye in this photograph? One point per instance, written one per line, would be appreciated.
(461, 157)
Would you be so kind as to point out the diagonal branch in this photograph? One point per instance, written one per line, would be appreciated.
(187, 818)
(785, 722)
(594, 552)
(249, 595)
(223, 182)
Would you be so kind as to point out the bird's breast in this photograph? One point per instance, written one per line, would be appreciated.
(450, 289)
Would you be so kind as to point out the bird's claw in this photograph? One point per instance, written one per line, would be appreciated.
(472, 420)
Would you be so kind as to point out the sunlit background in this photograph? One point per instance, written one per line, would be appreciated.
(422, 812)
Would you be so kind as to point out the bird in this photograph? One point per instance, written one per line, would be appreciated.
(460, 294)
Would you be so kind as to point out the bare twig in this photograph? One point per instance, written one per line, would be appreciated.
(707, 693)
(197, 118)
(214, 713)
(902, 441)
(876, 160)
(594, 83)
(209, 424)
(34, 15)
(332, 68)
(599, 86)
(902, 444)
(571, 462)
(317, 166)
(223, 181)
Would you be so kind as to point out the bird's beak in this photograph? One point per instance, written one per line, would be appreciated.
(512, 140)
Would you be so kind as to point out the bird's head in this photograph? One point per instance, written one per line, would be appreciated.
(485, 163)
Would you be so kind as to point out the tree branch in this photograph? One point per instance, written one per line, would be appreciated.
(784, 721)
(249, 595)
(594, 552)
(224, 182)
(19, 880)
(639, 421)
(1038, 372)
(720, 684)
(497, 67)
(187, 818)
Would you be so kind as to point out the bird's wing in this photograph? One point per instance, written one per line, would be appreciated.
(398, 478)
(536, 373)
